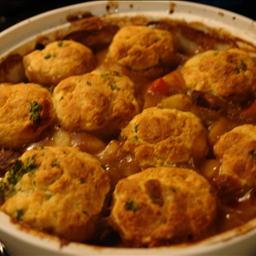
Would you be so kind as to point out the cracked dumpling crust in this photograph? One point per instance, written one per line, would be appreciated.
(162, 204)
(58, 60)
(237, 151)
(26, 110)
(95, 101)
(143, 49)
(165, 137)
(226, 73)
(62, 192)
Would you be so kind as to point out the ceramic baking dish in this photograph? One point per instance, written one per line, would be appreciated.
(240, 241)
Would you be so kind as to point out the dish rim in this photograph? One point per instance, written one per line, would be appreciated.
(215, 242)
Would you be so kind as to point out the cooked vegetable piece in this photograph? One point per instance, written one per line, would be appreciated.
(177, 101)
(159, 86)
(171, 83)
(249, 114)
(220, 127)
(209, 168)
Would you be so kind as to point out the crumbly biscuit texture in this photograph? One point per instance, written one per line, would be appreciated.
(161, 204)
(97, 101)
(58, 60)
(163, 137)
(226, 73)
(61, 192)
(142, 49)
(26, 110)
(236, 150)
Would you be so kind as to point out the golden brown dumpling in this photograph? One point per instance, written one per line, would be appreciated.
(162, 137)
(227, 73)
(58, 190)
(97, 101)
(143, 51)
(237, 151)
(26, 110)
(58, 60)
(162, 204)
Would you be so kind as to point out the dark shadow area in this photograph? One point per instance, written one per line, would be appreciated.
(13, 11)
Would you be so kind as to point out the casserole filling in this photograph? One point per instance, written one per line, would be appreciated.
(129, 132)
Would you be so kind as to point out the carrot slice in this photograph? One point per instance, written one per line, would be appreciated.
(159, 86)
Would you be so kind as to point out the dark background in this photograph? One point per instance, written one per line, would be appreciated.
(12, 11)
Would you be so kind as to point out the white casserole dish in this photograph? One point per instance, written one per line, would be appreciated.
(239, 241)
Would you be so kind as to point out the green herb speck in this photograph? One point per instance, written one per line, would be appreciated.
(19, 214)
(14, 173)
(48, 194)
(35, 112)
(130, 205)
(241, 67)
(105, 75)
(115, 73)
(18, 169)
(136, 128)
(60, 43)
(29, 165)
(47, 56)
(113, 86)
(55, 163)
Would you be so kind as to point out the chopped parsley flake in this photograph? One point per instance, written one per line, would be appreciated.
(115, 73)
(105, 75)
(47, 56)
(19, 168)
(110, 78)
(30, 164)
(19, 214)
(55, 163)
(14, 173)
(136, 128)
(130, 205)
(241, 67)
(113, 85)
(35, 112)
(48, 194)
(60, 43)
